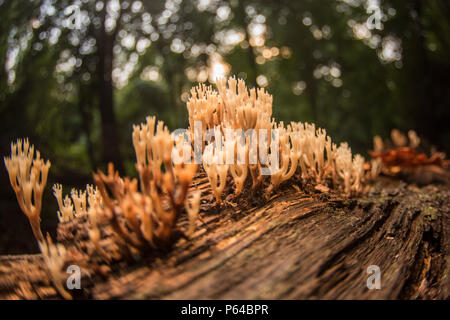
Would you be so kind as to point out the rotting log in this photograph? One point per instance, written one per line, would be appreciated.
(295, 245)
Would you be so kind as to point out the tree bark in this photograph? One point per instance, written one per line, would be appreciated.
(295, 245)
(110, 134)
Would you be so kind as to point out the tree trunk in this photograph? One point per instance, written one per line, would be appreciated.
(86, 116)
(293, 246)
(110, 135)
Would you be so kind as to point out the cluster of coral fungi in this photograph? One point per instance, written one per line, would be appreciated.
(302, 148)
(142, 214)
(402, 152)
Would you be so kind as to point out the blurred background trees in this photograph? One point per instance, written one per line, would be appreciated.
(76, 74)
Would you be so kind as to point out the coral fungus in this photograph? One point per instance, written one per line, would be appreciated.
(400, 155)
(262, 143)
(230, 130)
(28, 177)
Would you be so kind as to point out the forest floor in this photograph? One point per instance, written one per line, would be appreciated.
(295, 245)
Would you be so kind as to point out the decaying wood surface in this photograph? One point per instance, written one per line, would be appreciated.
(295, 245)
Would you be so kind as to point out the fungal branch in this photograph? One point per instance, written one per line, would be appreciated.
(66, 208)
(160, 177)
(215, 165)
(242, 108)
(28, 177)
(192, 208)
